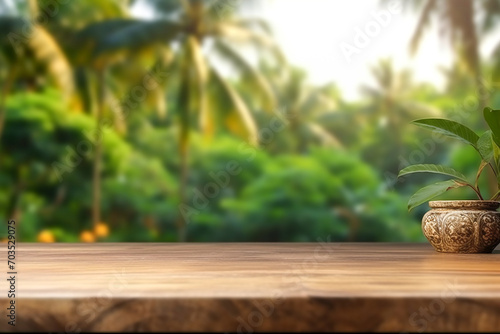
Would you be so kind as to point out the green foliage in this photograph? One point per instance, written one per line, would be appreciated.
(329, 193)
(322, 166)
(486, 145)
(273, 197)
(56, 156)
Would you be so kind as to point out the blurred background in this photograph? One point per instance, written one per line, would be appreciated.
(234, 120)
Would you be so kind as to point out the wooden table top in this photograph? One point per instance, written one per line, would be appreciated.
(253, 287)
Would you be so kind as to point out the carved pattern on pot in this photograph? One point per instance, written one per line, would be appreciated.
(458, 229)
(490, 229)
(430, 227)
(462, 231)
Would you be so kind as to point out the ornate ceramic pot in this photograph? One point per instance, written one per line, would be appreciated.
(463, 226)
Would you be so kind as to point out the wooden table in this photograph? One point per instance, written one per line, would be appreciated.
(245, 287)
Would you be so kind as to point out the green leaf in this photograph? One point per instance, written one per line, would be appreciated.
(485, 146)
(492, 117)
(490, 152)
(449, 128)
(427, 193)
(437, 169)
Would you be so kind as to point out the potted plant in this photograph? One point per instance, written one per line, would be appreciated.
(461, 226)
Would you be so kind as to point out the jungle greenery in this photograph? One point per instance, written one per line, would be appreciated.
(119, 129)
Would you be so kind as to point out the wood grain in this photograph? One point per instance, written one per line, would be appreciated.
(253, 287)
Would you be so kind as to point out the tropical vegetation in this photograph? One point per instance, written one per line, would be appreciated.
(120, 128)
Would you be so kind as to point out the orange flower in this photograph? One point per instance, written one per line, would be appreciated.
(101, 230)
(87, 236)
(45, 236)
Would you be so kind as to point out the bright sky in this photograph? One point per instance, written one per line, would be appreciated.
(312, 33)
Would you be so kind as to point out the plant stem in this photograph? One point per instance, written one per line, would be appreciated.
(492, 168)
(495, 197)
(478, 193)
(481, 168)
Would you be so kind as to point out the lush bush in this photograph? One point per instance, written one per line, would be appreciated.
(236, 192)
(301, 198)
(47, 154)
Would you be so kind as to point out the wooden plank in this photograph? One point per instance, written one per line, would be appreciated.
(253, 287)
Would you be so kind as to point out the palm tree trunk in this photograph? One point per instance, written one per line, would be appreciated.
(13, 203)
(184, 122)
(184, 172)
(96, 177)
(298, 145)
(5, 91)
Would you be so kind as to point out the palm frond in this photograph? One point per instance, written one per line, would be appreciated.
(238, 33)
(255, 22)
(259, 82)
(326, 138)
(46, 50)
(239, 120)
(125, 34)
(202, 73)
(38, 46)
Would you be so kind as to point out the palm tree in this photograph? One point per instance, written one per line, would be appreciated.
(56, 44)
(391, 105)
(203, 95)
(31, 55)
(72, 28)
(305, 107)
(102, 79)
(27, 56)
(62, 41)
(457, 19)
